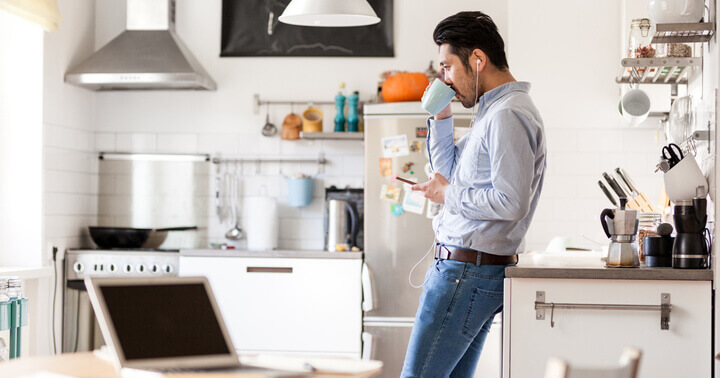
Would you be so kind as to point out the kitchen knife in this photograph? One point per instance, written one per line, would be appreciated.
(614, 185)
(632, 201)
(641, 198)
(607, 193)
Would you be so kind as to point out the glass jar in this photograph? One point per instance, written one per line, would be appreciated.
(647, 226)
(639, 45)
(14, 289)
(4, 334)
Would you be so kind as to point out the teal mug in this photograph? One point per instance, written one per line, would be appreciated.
(437, 97)
(300, 191)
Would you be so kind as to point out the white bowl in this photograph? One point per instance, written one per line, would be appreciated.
(675, 11)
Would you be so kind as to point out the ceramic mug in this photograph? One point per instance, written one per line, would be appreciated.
(312, 120)
(682, 180)
(437, 97)
(300, 190)
(635, 106)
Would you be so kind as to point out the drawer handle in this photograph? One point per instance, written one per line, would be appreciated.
(263, 269)
(664, 307)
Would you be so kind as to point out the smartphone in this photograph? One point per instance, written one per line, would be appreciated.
(405, 180)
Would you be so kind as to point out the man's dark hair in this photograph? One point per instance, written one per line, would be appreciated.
(466, 31)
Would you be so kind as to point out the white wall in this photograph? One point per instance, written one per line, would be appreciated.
(223, 122)
(70, 162)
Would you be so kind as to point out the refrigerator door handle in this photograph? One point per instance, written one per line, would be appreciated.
(368, 303)
(367, 339)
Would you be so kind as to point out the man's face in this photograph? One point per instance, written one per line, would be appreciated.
(457, 76)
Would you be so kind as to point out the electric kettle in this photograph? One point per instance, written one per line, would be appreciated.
(342, 226)
(621, 229)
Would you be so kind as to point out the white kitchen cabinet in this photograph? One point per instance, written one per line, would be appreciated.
(289, 305)
(596, 338)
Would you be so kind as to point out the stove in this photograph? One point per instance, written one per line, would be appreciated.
(80, 328)
(82, 263)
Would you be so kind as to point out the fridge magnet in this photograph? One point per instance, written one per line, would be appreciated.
(428, 170)
(390, 193)
(433, 209)
(395, 146)
(385, 167)
(416, 146)
(407, 167)
(421, 132)
(414, 202)
(397, 210)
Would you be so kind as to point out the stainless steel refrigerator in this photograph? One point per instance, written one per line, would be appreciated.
(395, 138)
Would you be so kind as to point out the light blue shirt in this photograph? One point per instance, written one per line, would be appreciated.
(496, 172)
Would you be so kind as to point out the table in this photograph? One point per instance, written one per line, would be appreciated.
(89, 365)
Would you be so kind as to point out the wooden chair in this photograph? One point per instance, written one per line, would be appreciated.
(629, 363)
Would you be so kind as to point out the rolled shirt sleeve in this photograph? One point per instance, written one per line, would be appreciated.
(511, 151)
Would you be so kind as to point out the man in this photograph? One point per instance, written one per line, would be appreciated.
(489, 183)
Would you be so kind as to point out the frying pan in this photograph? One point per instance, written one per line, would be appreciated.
(127, 237)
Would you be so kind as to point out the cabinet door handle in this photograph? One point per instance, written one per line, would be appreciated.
(268, 269)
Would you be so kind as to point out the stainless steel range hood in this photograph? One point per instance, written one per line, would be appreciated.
(147, 55)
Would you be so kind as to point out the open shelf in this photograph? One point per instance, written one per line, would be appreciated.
(684, 33)
(656, 70)
(334, 135)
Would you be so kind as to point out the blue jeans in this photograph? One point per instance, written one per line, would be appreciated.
(456, 310)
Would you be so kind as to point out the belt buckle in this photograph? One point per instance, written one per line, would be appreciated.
(442, 246)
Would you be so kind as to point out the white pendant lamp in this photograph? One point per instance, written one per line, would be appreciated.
(329, 13)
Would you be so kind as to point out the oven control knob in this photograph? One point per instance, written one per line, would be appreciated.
(140, 268)
(128, 268)
(168, 269)
(155, 268)
(112, 268)
(78, 267)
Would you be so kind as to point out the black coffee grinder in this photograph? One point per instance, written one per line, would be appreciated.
(691, 247)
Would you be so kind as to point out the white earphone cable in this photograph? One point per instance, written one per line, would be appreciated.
(477, 100)
(432, 245)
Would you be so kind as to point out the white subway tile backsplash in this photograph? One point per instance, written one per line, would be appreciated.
(70, 182)
(343, 147)
(562, 140)
(71, 161)
(104, 142)
(70, 204)
(601, 141)
(218, 144)
(300, 147)
(67, 138)
(135, 142)
(568, 163)
(177, 143)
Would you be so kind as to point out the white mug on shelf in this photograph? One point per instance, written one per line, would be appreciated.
(635, 106)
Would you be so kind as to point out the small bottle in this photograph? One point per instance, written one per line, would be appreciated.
(340, 109)
(14, 289)
(4, 333)
(352, 112)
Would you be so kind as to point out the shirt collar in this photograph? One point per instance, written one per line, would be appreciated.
(489, 97)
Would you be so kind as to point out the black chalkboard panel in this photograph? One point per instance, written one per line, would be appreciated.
(251, 28)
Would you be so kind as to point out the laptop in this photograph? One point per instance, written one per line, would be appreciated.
(164, 324)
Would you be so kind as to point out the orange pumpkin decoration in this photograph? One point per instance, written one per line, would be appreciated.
(406, 86)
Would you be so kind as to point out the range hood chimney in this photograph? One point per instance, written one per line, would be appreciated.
(147, 55)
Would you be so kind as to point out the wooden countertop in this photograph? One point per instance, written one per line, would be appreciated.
(89, 365)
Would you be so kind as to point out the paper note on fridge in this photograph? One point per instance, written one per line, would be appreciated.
(414, 201)
(395, 146)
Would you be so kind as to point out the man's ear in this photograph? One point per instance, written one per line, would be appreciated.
(478, 59)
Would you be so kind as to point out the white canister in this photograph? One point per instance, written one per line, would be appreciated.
(261, 223)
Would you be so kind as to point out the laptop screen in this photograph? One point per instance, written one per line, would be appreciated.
(164, 320)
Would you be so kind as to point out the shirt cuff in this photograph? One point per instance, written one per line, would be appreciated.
(440, 128)
(452, 198)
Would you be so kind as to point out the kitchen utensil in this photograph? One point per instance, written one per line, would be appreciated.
(236, 232)
(635, 106)
(683, 179)
(691, 248)
(128, 237)
(300, 190)
(672, 153)
(675, 11)
(312, 120)
(291, 127)
(680, 120)
(268, 129)
(437, 97)
(343, 224)
(607, 193)
(621, 225)
(658, 251)
(262, 223)
(640, 198)
(614, 185)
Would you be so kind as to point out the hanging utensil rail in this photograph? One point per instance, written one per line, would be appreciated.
(320, 161)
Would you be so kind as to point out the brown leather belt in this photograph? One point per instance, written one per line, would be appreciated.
(471, 256)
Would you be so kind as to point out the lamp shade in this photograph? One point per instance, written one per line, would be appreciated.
(329, 13)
